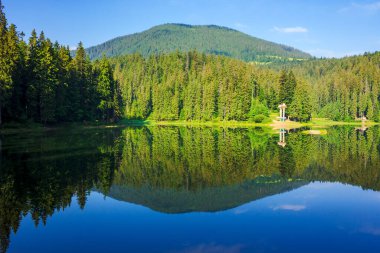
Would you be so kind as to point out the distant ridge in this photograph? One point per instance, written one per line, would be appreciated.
(210, 39)
(209, 199)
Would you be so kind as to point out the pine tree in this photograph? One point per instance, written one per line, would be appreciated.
(370, 110)
(105, 90)
(83, 91)
(63, 59)
(18, 49)
(291, 87)
(13, 56)
(5, 77)
(33, 89)
(49, 82)
(283, 92)
(301, 108)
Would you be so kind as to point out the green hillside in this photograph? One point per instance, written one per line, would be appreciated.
(210, 199)
(208, 39)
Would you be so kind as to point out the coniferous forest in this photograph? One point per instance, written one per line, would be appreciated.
(209, 39)
(42, 81)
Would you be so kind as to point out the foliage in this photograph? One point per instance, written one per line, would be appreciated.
(301, 108)
(288, 85)
(259, 118)
(188, 86)
(331, 111)
(205, 39)
(40, 81)
(258, 112)
(342, 89)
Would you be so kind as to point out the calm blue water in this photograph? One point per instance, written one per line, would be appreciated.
(319, 217)
(301, 214)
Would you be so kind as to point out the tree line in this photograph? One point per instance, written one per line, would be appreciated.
(41, 82)
(344, 89)
(195, 158)
(196, 86)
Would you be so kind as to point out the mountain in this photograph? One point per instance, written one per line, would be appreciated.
(210, 39)
(209, 199)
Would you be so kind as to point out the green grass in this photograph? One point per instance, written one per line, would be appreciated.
(192, 123)
(323, 122)
(315, 132)
(316, 122)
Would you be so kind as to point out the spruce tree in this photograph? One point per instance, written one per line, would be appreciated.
(83, 91)
(49, 81)
(301, 108)
(33, 88)
(105, 90)
(5, 77)
(283, 93)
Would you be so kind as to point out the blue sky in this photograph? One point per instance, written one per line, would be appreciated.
(322, 28)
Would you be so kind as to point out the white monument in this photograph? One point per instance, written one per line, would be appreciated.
(282, 108)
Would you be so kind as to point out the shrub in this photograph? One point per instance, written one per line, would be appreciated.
(259, 118)
(257, 108)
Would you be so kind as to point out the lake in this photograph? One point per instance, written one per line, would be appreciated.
(190, 190)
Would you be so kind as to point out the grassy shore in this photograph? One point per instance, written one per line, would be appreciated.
(315, 123)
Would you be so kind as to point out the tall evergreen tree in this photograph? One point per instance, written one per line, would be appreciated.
(33, 88)
(5, 77)
(83, 91)
(301, 108)
(106, 90)
(283, 93)
(49, 82)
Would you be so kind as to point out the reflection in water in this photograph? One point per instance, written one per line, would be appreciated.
(174, 170)
(41, 173)
(282, 141)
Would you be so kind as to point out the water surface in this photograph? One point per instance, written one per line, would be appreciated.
(178, 189)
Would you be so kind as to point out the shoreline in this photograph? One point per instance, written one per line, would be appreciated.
(318, 123)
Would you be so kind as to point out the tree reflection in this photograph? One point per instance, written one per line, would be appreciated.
(173, 169)
(41, 174)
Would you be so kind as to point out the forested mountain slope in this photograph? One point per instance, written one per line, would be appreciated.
(208, 39)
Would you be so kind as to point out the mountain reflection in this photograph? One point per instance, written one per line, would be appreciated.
(173, 170)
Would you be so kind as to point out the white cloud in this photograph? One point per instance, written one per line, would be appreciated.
(369, 7)
(296, 29)
(73, 48)
(241, 210)
(294, 208)
(370, 230)
(319, 185)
